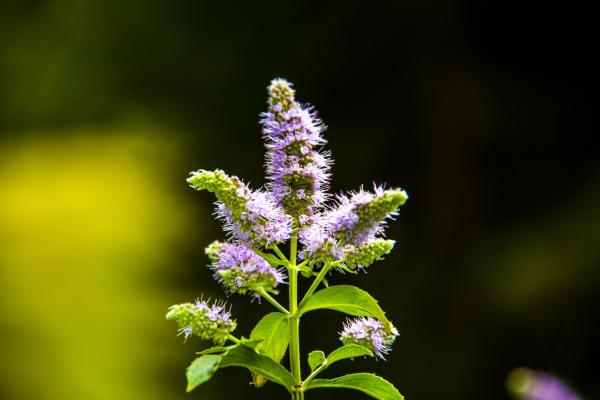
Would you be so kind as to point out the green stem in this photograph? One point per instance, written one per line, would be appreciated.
(233, 339)
(274, 302)
(294, 320)
(315, 373)
(316, 283)
(280, 254)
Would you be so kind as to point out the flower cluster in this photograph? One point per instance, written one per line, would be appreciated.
(298, 172)
(208, 322)
(370, 333)
(240, 270)
(350, 229)
(250, 217)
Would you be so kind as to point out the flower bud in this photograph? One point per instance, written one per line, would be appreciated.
(240, 270)
(199, 319)
(366, 254)
(251, 217)
(282, 93)
(370, 333)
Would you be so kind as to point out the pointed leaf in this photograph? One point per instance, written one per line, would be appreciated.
(201, 370)
(347, 299)
(348, 351)
(213, 350)
(273, 331)
(369, 384)
(315, 359)
(243, 356)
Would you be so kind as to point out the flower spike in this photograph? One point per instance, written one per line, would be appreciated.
(251, 217)
(298, 172)
(361, 217)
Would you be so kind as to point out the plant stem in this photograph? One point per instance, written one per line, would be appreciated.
(233, 339)
(280, 253)
(294, 320)
(315, 283)
(274, 302)
(315, 373)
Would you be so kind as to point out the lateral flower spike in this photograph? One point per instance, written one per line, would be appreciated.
(208, 322)
(298, 172)
(251, 217)
(370, 333)
(239, 270)
(366, 254)
(362, 216)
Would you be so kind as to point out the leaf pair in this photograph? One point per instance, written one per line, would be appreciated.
(205, 366)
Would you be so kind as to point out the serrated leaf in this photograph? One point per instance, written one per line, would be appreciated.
(315, 359)
(273, 332)
(243, 356)
(201, 370)
(369, 384)
(348, 351)
(347, 299)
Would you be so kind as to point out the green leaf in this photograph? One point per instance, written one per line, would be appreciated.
(347, 299)
(243, 356)
(252, 343)
(273, 331)
(369, 384)
(348, 351)
(201, 370)
(213, 350)
(272, 259)
(315, 359)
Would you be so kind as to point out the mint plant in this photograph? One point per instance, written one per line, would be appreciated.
(345, 235)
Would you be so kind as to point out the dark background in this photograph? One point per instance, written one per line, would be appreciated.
(485, 112)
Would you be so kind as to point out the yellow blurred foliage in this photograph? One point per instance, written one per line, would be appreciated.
(89, 226)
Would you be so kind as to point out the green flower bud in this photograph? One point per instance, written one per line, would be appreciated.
(199, 319)
(213, 251)
(366, 254)
(281, 92)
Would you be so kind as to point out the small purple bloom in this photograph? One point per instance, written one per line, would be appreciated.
(240, 270)
(370, 333)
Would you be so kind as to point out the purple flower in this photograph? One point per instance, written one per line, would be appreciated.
(298, 172)
(240, 270)
(318, 245)
(362, 216)
(370, 333)
(251, 217)
(530, 384)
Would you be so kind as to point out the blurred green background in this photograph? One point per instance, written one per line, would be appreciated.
(483, 111)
